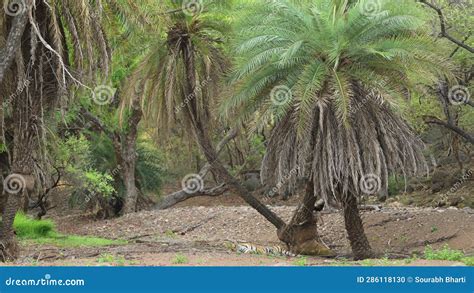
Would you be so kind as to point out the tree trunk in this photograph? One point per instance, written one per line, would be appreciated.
(7, 53)
(301, 233)
(355, 229)
(9, 249)
(130, 158)
(198, 123)
(130, 205)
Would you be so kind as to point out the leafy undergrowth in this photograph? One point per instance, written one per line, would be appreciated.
(446, 253)
(43, 232)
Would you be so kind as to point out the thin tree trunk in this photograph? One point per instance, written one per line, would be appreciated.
(355, 229)
(129, 158)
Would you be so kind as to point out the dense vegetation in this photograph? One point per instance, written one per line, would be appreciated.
(106, 101)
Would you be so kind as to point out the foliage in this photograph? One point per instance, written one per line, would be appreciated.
(445, 253)
(180, 259)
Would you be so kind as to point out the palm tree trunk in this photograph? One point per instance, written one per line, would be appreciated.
(355, 229)
(9, 249)
(205, 142)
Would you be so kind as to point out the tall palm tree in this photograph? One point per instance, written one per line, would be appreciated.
(180, 78)
(50, 46)
(330, 73)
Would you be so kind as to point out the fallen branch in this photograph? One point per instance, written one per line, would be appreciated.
(182, 195)
(193, 227)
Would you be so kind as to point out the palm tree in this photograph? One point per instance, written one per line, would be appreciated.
(180, 78)
(330, 74)
(47, 42)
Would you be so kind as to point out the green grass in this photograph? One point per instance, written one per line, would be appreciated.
(301, 261)
(30, 230)
(75, 241)
(468, 260)
(445, 253)
(180, 259)
(111, 259)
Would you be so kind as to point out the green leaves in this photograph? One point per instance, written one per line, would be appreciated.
(366, 44)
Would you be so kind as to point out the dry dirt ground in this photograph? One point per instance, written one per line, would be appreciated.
(194, 233)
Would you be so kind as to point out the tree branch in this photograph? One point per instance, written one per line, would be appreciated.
(456, 129)
(443, 32)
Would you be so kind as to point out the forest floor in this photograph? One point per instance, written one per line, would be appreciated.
(194, 233)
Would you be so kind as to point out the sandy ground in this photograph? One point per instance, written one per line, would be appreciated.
(194, 235)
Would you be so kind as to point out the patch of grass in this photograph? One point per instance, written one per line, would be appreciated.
(434, 229)
(468, 260)
(301, 261)
(180, 259)
(76, 241)
(170, 234)
(111, 259)
(43, 232)
(445, 253)
(28, 228)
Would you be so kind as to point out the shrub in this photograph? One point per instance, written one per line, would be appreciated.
(445, 253)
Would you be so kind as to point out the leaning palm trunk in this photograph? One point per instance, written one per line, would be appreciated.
(205, 142)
